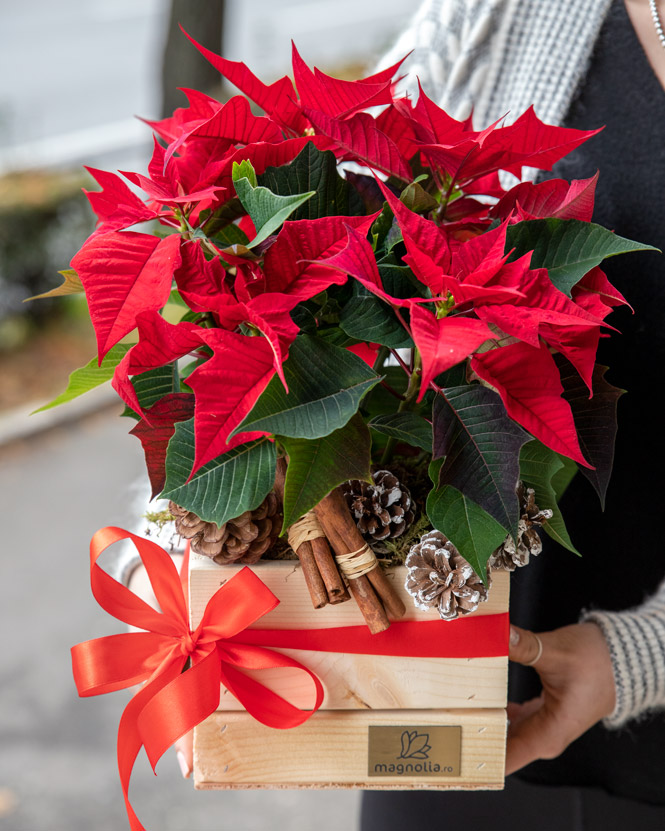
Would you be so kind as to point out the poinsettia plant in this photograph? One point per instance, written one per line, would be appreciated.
(341, 286)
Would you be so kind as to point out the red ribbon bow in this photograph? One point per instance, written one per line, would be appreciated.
(173, 701)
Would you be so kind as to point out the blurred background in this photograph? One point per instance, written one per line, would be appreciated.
(73, 76)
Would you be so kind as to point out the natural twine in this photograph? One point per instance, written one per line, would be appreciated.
(357, 563)
(305, 529)
(353, 565)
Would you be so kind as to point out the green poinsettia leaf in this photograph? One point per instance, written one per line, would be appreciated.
(244, 170)
(567, 248)
(398, 280)
(473, 531)
(326, 384)
(175, 298)
(433, 470)
(230, 235)
(316, 466)
(71, 284)
(480, 446)
(408, 427)
(90, 376)
(266, 209)
(595, 421)
(222, 217)
(416, 199)
(453, 377)
(379, 400)
(314, 170)
(548, 474)
(381, 228)
(225, 487)
(366, 318)
(564, 476)
(303, 316)
(153, 385)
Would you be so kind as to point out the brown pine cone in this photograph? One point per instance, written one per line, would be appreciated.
(440, 578)
(509, 556)
(243, 539)
(382, 510)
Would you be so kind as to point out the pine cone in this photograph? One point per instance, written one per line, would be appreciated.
(244, 539)
(439, 577)
(382, 510)
(509, 556)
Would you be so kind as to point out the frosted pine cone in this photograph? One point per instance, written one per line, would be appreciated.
(244, 539)
(440, 578)
(382, 510)
(509, 556)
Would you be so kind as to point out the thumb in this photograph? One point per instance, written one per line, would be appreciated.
(184, 753)
(525, 647)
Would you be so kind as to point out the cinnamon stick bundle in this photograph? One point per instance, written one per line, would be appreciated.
(368, 584)
(324, 582)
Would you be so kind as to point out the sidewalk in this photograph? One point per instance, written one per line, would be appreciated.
(18, 423)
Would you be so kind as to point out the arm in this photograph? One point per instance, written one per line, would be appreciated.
(450, 42)
(636, 642)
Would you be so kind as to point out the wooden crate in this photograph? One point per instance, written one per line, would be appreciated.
(362, 693)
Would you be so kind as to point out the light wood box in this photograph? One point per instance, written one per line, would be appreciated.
(232, 750)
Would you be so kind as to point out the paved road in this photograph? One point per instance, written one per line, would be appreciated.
(57, 766)
(73, 74)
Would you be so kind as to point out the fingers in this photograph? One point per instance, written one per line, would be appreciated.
(526, 648)
(185, 754)
(518, 712)
(536, 736)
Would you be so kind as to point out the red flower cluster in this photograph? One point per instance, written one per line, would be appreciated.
(241, 267)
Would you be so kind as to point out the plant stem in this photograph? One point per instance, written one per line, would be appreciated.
(393, 392)
(399, 360)
(381, 359)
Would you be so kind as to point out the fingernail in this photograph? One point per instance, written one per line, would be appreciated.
(514, 636)
(184, 767)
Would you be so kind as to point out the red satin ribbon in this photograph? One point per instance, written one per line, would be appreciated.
(484, 636)
(173, 701)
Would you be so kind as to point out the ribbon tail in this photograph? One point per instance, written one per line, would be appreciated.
(129, 737)
(179, 706)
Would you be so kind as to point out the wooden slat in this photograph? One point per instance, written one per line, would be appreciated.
(360, 681)
(284, 578)
(232, 750)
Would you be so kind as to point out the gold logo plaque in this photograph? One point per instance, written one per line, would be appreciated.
(413, 752)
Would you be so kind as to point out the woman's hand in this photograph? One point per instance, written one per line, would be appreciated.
(139, 583)
(578, 690)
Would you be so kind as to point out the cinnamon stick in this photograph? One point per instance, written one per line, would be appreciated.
(344, 536)
(310, 569)
(313, 579)
(369, 604)
(381, 584)
(329, 572)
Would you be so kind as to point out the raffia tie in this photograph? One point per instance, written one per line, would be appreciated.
(357, 563)
(306, 529)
